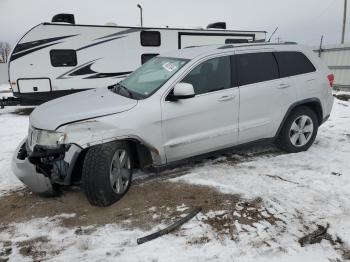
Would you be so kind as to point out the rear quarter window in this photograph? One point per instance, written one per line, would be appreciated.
(293, 63)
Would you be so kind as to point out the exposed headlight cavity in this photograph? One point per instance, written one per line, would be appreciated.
(45, 138)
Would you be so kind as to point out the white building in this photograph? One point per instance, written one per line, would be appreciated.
(337, 57)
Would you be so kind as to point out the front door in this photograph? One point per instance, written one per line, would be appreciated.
(206, 122)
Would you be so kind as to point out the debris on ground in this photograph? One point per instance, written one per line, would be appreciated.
(170, 228)
(336, 174)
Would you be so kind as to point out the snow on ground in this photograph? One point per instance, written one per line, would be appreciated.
(13, 128)
(301, 190)
(4, 88)
(316, 182)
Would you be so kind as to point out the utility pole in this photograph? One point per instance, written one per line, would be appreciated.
(344, 21)
(139, 6)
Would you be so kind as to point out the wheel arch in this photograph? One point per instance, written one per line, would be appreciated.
(312, 103)
(141, 154)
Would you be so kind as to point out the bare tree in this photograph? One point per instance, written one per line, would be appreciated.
(5, 50)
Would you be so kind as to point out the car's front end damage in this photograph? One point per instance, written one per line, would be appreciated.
(43, 160)
(64, 130)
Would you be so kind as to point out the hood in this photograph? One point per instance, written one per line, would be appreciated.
(79, 106)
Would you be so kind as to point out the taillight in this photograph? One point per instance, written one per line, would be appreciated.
(330, 80)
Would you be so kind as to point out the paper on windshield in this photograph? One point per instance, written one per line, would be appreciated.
(169, 67)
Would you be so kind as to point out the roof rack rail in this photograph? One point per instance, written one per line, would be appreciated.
(256, 44)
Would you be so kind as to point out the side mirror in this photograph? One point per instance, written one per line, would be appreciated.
(183, 91)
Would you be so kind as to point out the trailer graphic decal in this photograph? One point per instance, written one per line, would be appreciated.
(29, 47)
(18, 55)
(98, 43)
(124, 32)
(85, 69)
(103, 75)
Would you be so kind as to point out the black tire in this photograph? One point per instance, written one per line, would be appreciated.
(96, 173)
(284, 141)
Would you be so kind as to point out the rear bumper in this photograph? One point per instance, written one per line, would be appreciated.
(26, 172)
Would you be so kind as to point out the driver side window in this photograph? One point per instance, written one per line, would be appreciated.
(210, 76)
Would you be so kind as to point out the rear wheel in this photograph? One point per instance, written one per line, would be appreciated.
(299, 131)
(107, 173)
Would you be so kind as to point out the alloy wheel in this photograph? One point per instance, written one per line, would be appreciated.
(120, 171)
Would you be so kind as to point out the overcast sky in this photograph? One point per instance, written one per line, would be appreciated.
(303, 21)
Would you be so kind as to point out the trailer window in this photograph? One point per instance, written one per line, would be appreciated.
(146, 57)
(236, 41)
(150, 38)
(63, 57)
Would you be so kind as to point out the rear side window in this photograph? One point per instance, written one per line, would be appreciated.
(63, 57)
(150, 38)
(210, 76)
(293, 63)
(146, 57)
(256, 67)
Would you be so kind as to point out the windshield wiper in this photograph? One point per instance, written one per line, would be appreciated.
(119, 86)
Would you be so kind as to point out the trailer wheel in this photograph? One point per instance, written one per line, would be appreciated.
(107, 173)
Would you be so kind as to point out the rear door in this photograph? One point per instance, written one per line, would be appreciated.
(264, 96)
(208, 121)
(298, 68)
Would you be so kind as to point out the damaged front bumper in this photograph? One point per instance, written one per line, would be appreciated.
(42, 168)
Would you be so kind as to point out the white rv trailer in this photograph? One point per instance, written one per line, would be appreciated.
(56, 59)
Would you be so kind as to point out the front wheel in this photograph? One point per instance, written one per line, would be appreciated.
(107, 173)
(299, 131)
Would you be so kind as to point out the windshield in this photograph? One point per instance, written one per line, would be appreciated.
(148, 78)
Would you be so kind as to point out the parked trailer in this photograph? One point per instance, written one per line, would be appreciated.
(56, 59)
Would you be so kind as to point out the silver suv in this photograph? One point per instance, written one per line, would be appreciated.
(187, 103)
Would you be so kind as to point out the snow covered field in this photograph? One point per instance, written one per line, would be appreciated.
(304, 193)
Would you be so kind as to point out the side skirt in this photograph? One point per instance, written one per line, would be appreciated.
(178, 163)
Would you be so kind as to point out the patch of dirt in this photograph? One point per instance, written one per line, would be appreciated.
(343, 97)
(252, 212)
(316, 236)
(144, 206)
(32, 248)
(245, 213)
(198, 240)
(5, 251)
(320, 234)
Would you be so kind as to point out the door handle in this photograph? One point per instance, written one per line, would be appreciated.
(226, 98)
(282, 86)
